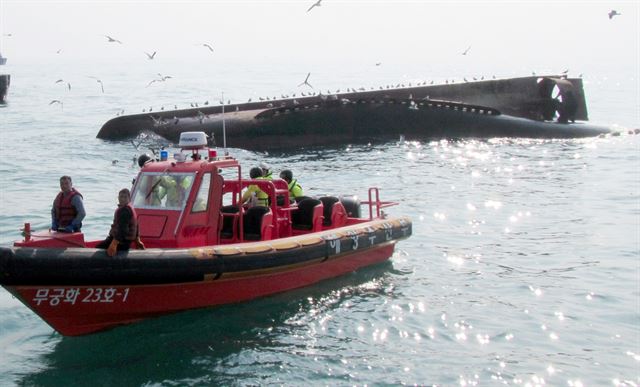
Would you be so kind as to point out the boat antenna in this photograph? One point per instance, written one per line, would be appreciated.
(224, 129)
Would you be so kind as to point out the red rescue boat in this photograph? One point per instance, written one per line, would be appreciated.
(203, 248)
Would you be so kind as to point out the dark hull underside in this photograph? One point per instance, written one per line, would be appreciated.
(505, 108)
(5, 80)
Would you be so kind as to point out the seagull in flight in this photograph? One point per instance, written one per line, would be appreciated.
(137, 146)
(58, 102)
(316, 4)
(161, 79)
(150, 56)
(99, 81)
(613, 13)
(101, 85)
(62, 80)
(208, 46)
(112, 40)
(306, 81)
(466, 51)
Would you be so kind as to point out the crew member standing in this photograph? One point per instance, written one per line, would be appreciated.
(67, 211)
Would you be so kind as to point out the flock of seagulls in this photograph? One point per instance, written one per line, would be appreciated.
(162, 78)
(329, 94)
(111, 39)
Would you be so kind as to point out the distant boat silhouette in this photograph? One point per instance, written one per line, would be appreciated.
(5, 79)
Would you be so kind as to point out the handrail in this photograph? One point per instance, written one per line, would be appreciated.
(377, 203)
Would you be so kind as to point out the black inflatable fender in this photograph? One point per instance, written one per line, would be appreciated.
(352, 205)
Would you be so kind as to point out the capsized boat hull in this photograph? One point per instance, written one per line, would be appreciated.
(95, 293)
(332, 123)
(518, 107)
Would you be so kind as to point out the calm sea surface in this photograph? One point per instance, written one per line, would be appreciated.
(523, 268)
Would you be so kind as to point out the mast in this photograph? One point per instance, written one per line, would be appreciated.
(224, 130)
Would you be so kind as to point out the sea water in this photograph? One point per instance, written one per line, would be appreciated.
(523, 267)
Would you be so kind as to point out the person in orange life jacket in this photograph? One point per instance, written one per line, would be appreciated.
(67, 211)
(254, 196)
(124, 229)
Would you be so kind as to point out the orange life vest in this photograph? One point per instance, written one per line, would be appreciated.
(65, 211)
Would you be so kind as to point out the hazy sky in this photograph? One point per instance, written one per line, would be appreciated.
(561, 32)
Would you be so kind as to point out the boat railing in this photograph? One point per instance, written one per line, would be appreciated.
(374, 201)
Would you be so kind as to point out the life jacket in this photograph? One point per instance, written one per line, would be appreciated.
(131, 231)
(262, 199)
(295, 190)
(65, 211)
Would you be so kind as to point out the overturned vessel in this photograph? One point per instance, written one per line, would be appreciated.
(202, 247)
(534, 107)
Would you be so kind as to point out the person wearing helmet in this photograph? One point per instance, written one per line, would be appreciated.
(295, 190)
(143, 159)
(266, 171)
(254, 196)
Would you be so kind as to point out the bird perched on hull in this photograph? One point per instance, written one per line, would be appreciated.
(613, 13)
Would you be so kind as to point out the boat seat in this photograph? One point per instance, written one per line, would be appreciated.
(257, 223)
(335, 215)
(308, 216)
(229, 222)
(301, 198)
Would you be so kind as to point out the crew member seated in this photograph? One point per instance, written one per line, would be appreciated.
(295, 190)
(254, 196)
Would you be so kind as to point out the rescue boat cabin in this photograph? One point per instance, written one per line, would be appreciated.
(196, 200)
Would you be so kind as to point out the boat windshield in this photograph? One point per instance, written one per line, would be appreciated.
(167, 191)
